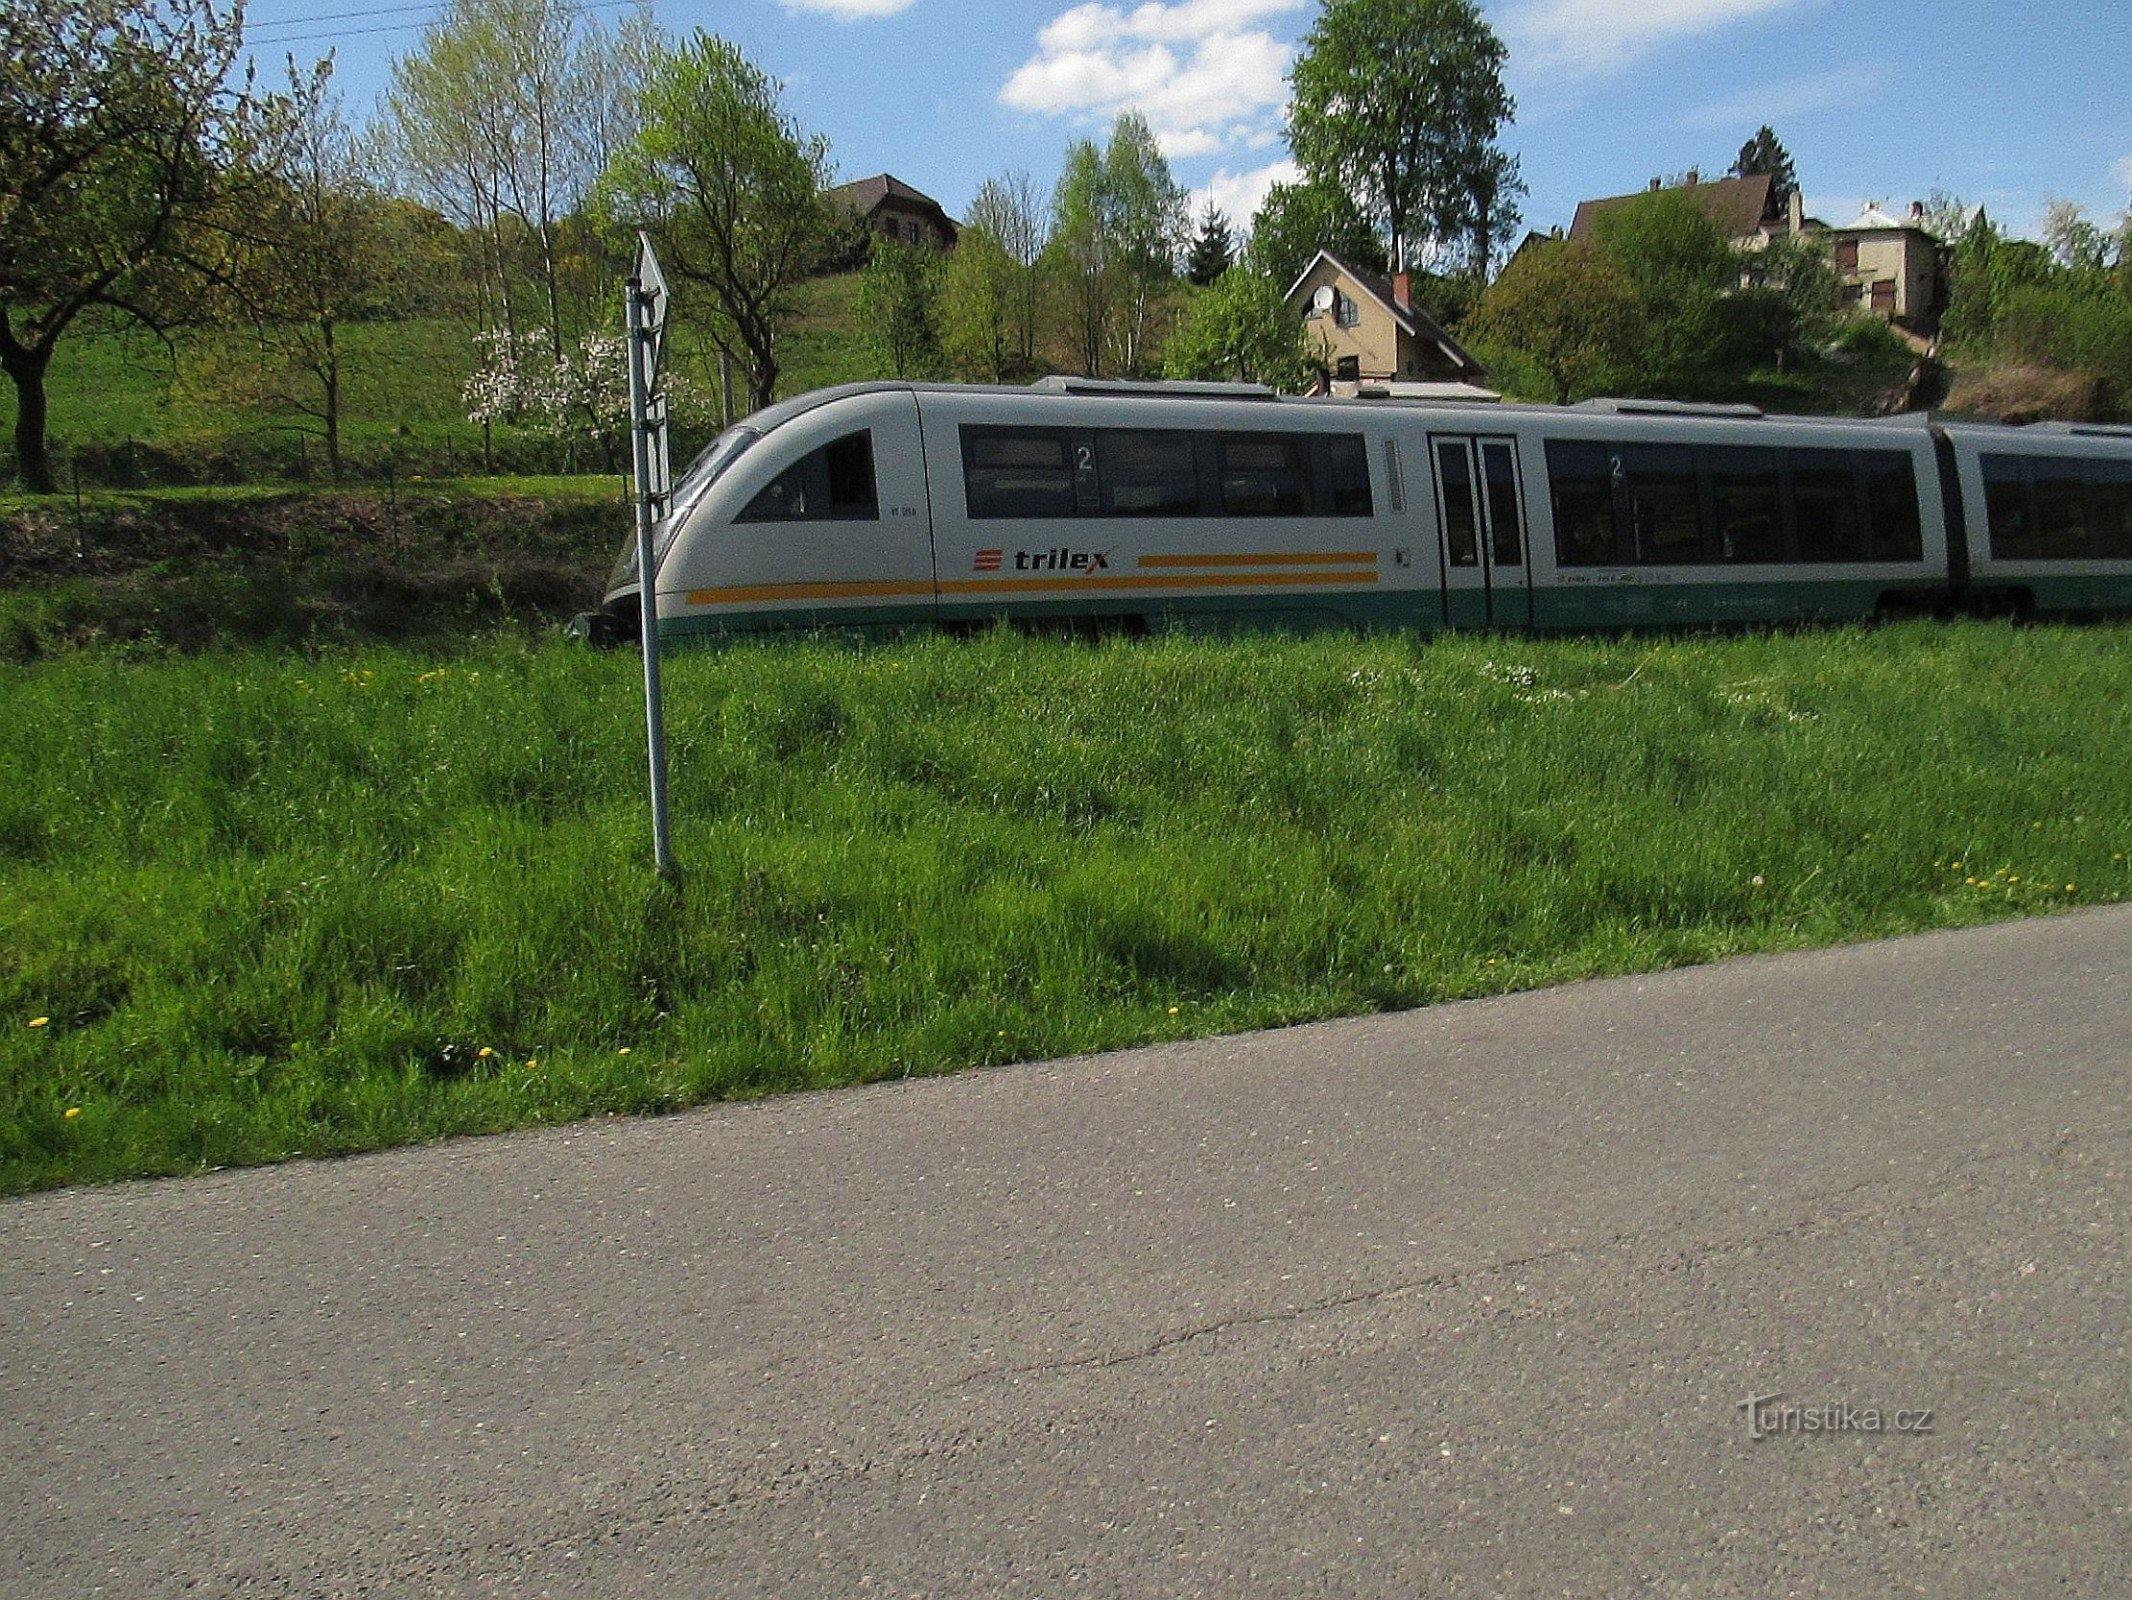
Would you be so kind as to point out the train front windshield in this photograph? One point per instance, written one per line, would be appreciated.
(704, 471)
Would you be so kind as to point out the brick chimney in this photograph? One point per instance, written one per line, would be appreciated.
(1403, 290)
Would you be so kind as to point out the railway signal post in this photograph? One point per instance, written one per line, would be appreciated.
(646, 301)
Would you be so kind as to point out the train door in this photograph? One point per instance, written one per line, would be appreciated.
(1480, 515)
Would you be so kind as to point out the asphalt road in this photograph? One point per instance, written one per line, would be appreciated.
(1460, 1302)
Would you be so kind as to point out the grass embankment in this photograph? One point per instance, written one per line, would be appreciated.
(271, 905)
(195, 568)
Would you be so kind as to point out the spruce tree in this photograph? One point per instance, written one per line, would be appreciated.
(1214, 250)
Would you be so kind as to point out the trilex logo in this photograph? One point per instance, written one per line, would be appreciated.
(1061, 560)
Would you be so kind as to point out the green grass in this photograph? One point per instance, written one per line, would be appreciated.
(276, 904)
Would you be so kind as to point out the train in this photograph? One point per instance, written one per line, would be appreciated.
(1105, 504)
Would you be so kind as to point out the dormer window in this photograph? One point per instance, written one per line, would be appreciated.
(1345, 312)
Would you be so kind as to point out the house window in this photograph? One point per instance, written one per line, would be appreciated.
(1348, 369)
(1846, 255)
(1345, 312)
(913, 232)
(1884, 296)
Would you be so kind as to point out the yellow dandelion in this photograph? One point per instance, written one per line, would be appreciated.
(623, 1051)
(1957, 867)
(2072, 888)
(73, 1112)
(485, 1054)
(2015, 879)
(40, 1022)
(532, 1066)
(1173, 1011)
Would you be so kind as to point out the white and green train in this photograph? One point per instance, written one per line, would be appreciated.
(1155, 505)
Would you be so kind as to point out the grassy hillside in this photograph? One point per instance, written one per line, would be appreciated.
(254, 905)
(136, 413)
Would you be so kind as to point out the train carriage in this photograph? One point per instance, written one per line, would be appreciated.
(1161, 505)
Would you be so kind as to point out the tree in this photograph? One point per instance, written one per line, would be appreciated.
(1493, 223)
(1681, 268)
(1147, 214)
(730, 188)
(1243, 330)
(2075, 242)
(1213, 248)
(1765, 154)
(978, 307)
(898, 308)
(1083, 255)
(1399, 102)
(1006, 210)
(490, 119)
(1569, 309)
(1297, 220)
(1793, 287)
(321, 260)
(128, 142)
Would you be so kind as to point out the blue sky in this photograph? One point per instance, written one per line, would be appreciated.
(1876, 99)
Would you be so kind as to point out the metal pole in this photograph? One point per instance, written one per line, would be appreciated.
(648, 589)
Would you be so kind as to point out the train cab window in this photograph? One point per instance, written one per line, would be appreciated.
(1017, 472)
(1891, 496)
(1147, 474)
(1824, 492)
(832, 484)
(1582, 495)
(1264, 477)
(1344, 477)
(1662, 505)
(2006, 502)
(1747, 504)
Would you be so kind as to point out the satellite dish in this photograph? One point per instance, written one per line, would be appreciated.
(1324, 298)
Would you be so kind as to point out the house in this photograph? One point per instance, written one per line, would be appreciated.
(1894, 269)
(1746, 211)
(893, 209)
(1370, 330)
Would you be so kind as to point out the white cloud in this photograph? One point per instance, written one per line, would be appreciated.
(1201, 75)
(1240, 194)
(1588, 36)
(1796, 97)
(850, 10)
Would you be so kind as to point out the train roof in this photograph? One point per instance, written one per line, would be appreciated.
(785, 411)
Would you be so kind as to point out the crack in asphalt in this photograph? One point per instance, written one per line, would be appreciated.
(1944, 1180)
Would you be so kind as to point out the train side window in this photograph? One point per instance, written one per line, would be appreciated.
(1147, 474)
(2110, 508)
(1662, 503)
(2061, 509)
(1747, 504)
(1344, 477)
(1583, 503)
(1454, 469)
(1891, 496)
(1264, 477)
(832, 484)
(1824, 494)
(1499, 472)
(2006, 503)
(1017, 473)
